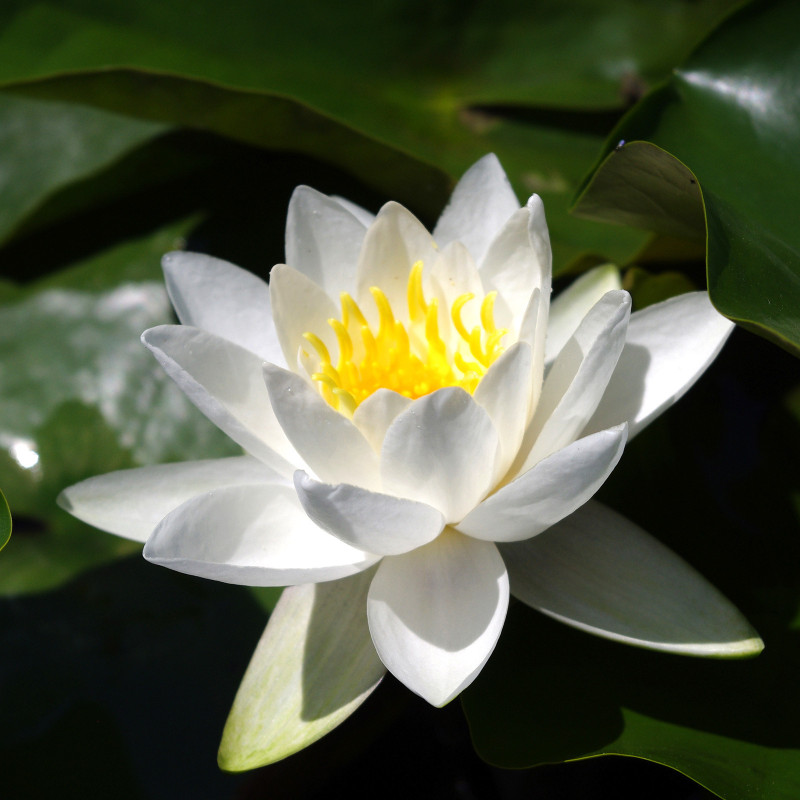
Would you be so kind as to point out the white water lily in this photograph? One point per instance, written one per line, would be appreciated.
(423, 430)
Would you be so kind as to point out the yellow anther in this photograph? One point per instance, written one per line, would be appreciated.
(318, 345)
(493, 342)
(487, 312)
(475, 346)
(370, 345)
(417, 307)
(350, 310)
(455, 314)
(435, 342)
(344, 340)
(468, 368)
(385, 314)
(347, 403)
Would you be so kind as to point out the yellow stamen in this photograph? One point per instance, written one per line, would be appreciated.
(412, 358)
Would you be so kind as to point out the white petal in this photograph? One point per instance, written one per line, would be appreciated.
(393, 244)
(441, 451)
(222, 299)
(668, 348)
(480, 205)
(375, 414)
(576, 381)
(366, 218)
(329, 442)
(252, 536)
(599, 572)
(575, 302)
(224, 381)
(131, 502)
(313, 667)
(532, 330)
(379, 523)
(505, 393)
(548, 492)
(453, 274)
(518, 261)
(435, 614)
(323, 240)
(300, 306)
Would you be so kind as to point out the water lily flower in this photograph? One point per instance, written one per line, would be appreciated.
(424, 431)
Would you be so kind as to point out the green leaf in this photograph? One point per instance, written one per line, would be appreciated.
(714, 479)
(446, 84)
(314, 666)
(732, 121)
(46, 146)
(80, 395)
(574, 696)
(5, 522)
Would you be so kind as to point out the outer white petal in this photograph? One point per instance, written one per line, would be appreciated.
(393, 244)
(435, 614)
(545, 494)
(300, 306)
(518, 261)
(576, 381)
(375, 414)
(131, 502)
(599, 572)
(505, 393)
(669, 345)
(252, 536)
(574, 303)
(366, 218)
(441, 451)
(480, 205)
(329, 442)
(223, 299)
(379, 523)
(313, 667)
(323, 240)
(224, 381)
(532, 331)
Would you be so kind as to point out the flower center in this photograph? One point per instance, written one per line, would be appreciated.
(414, 359)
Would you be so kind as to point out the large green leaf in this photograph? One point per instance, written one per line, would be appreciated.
(47, 145)
(716, 480)
(573, 696)
(384, 90)
(5, 522)
(80, 395)
(730, 115)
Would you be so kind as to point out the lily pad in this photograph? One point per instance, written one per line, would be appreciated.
(48, 145)
(79, 395)
(703, 479)
(732, 120)
(442, 90)
(5, 522)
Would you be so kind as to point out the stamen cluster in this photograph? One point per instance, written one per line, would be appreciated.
(412, 360)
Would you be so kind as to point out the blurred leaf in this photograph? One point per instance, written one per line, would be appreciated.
(80, 395)
(574, 696)
(47, 145)
(729, 114)
(384, 90)
(5, 522)
(715, 479)
(646, 289)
